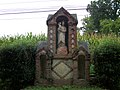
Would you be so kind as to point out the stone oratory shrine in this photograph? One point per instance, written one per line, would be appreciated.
(61, 60)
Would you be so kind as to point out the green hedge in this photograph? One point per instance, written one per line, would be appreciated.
(17, 61)
(107, 63)
(17, 66)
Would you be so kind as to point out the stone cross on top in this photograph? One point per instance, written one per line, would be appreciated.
(62, 34)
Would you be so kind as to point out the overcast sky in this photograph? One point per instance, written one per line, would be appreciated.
(20, 16)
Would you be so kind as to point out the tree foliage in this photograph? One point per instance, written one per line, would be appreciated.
(100, 10)
(88, 24)
(110, 26)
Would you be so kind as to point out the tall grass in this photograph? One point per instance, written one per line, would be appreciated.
(63, 88)
(6, 41)
(94, 40)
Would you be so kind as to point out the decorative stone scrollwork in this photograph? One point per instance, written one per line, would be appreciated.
(51, 36)
(51, 31)
(51, 41)
(51, 46)
(72, 36)
(72, 41)
(73, 46)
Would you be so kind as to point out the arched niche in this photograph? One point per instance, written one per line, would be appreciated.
(81, 65)
(43, 61)
(60, 19)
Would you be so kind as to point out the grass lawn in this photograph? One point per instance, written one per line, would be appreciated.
(62, 88)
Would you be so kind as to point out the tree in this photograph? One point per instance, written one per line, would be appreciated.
(100, 10)
(110, 26)
(88, 24)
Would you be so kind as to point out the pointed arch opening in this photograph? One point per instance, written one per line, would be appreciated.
(81, 66)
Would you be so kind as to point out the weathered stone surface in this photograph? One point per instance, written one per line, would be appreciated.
(64, 63)
(62, 51)
(62, 69)
(55, 76)
(69, 76)
(63, 34)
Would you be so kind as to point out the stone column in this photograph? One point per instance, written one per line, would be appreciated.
(52, 37)
(37, 74)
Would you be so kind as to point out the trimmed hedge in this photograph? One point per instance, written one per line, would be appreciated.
(17, 61)
(107, 64)
(17, 67)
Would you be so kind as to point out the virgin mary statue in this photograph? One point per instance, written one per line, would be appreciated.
(61, 34)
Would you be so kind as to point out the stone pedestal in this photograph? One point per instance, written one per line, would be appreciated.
(62, 51)
(62, 71)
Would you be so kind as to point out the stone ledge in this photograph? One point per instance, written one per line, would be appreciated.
(61, 82)
(57, 56)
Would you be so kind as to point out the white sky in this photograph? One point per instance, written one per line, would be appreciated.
(13, 24)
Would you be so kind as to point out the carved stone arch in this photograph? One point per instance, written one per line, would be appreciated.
(81, 47)
(41, 60)
(82, 58)
(86, 59)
